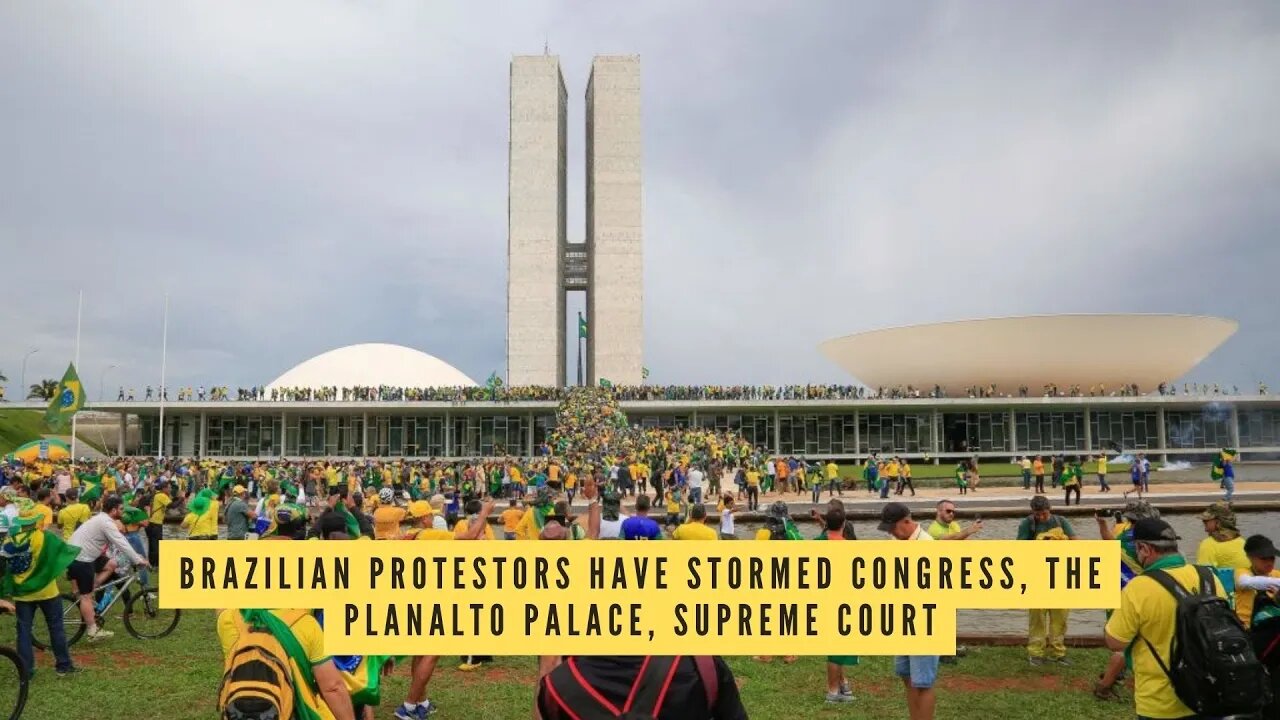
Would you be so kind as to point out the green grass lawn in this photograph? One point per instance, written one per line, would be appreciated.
(176, 679)
(18, 427)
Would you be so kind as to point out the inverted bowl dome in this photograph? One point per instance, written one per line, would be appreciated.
(373, 365)
(1065, 350)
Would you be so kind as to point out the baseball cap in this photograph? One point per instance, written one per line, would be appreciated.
(420, 508)
(1221, 512)
(891, 515)
(1154, 530)
(1259, 546)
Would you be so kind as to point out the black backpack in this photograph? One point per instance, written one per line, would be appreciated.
(573, 697)
(1212, 665)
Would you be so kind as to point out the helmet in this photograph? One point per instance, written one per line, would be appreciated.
(386, 496)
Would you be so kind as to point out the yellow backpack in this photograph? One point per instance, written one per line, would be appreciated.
(257, 680)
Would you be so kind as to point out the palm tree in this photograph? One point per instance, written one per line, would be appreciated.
(43, 390)
(2, 377)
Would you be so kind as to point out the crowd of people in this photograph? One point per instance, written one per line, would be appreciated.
(88, 520)
(497, 392)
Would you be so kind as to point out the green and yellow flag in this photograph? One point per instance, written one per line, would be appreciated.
(582, 326)
(605, 383)
(67, 401)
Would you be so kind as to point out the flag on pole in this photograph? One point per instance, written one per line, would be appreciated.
(582, 326)
(644, 373)
(66, 401)
(604, 383)
(493, 383)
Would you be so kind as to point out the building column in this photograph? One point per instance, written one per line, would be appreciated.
(937, 436)
(1162, 436)
(284, 433)
(777, 433)
(693, 419)
(857, 432)
(364, 434)
(529, 437)
(1013, 435)
(200, 439)
(448, 435)
(1088, 431)
(124, 426)
(1235, 431)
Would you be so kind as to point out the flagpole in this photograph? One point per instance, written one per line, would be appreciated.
(164, 355)
(79, 308)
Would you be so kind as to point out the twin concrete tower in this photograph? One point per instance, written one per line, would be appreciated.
(542, 265)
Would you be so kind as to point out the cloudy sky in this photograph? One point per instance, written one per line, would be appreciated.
(299, 176)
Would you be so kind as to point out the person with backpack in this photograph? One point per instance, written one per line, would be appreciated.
(1046, 628)
(274, 663)
(1191, 656)
(640, 688)
(778, 526)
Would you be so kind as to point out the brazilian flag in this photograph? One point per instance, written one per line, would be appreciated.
(67, 401)
(605, 383)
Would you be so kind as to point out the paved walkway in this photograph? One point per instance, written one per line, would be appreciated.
(1248, 495)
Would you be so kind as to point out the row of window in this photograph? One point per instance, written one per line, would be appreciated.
(838, 434)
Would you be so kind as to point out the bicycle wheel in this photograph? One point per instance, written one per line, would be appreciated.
(13, 684)
(144, 619)
(72, 624)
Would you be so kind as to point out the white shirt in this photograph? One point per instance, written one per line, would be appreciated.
(96, 535)
(726, 522)
(694, 479)
(919, 534)
(612, 529)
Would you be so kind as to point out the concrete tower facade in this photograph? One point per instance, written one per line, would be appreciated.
(536, 222)
(542, 267)
(614, 212)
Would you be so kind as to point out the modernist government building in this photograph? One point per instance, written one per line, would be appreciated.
(1098, 353)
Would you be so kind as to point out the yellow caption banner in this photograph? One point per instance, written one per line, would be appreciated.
(640, 598)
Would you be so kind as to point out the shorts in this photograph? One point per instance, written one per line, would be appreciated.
(83, 574)
(921, 669)
(843, 660)
(673, 518)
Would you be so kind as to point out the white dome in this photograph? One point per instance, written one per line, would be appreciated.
(372, 365)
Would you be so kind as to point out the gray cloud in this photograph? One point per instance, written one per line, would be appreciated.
(305, 175)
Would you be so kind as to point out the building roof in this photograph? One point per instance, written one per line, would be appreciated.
(373, 365)
(1085, 350)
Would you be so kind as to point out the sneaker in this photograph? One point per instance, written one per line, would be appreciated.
(99, 634)
(1061, 661)
(1105, 693)
(1036, 661)
(73, 670)
(468, 667)
(838, 697)
(844, 689)
(419, 711)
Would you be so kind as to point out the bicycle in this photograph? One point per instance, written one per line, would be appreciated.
(12, 694)
(142, 617)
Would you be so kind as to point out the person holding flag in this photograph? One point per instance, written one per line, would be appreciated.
(36, 559)
(1224, 471)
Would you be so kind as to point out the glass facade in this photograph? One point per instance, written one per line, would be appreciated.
(1137, 430)
(1050, 432)
(241, 435)
(817, 434)
(975, 432)
(899, 433)
(473, 434)
(1207, 428)
(1259, 428)
(756, 429)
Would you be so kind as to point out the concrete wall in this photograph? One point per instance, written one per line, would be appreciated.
(614, 233)
(536, 222)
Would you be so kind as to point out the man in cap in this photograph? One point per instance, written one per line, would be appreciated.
(1258, 607)
(238, 516)
(1147, 611)
(387, 516)
(1223, 549)
(918, 672)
